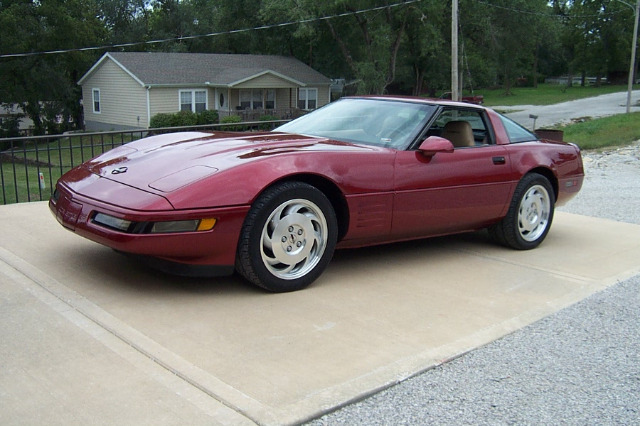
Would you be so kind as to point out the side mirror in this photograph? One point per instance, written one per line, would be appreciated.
(435, 144)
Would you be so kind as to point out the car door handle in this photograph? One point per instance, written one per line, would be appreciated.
(499, 160)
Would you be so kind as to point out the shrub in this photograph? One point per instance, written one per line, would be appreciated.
(267, 126)
(231, 119)
(209, 116)
(161, 120)
(10, 127)
(184, 118)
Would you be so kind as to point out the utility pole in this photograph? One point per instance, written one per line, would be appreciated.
(632, 67)
(634, 43)
(455, 95)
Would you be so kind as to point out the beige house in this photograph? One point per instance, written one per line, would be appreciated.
(14, 111)
(123, 90)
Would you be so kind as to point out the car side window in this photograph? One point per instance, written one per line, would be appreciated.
(465, 128)
(516, 132)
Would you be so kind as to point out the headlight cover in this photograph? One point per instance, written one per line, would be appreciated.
(162, 227)
(112, 222)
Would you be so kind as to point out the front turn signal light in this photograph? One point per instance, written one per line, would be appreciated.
(194, 225)
(207, 224)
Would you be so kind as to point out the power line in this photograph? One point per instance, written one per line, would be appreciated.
(271, 26)
(215, 34)
(545, 14)
(512, 9)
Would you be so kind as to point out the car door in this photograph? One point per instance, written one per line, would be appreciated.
(466, 189)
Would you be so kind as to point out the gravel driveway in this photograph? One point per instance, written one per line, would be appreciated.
(580, 366)
(612, 185)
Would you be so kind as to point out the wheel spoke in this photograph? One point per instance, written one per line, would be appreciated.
(267, 242)
(271, 260)
(525, 227)
(276, 216)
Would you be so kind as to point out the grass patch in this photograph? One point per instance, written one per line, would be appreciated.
(545, 94)
(21, 183)
(617, 130)
(68, 152)
(22, 163)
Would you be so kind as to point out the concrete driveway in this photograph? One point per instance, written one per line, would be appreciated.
(550, 115)
(88, 337)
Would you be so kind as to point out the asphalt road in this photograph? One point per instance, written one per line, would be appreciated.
(548, 115)
(580, 366)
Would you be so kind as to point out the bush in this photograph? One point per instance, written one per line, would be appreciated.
(161, 120)
(10, 127)
(184, 118)
(231, 119)
(209, 116)
(267, 126)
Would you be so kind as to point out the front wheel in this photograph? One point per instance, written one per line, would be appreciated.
(530, 214)
(288, 237)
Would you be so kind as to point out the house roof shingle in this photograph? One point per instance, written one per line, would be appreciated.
(154, 68)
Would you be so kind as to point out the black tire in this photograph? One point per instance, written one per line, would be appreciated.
(288, 237)
(530, 214)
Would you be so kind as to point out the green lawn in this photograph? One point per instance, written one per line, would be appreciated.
(70, 151)
(52, 159)
(25, 180)
(617, 130)
(545, 94)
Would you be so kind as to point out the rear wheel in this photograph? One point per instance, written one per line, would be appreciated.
(288, 237)
(530, 214)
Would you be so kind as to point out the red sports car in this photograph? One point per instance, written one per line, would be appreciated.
(358, 172)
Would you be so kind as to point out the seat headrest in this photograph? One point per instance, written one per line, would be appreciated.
(459, 133)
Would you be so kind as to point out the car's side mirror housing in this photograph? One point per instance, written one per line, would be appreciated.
(435, 144)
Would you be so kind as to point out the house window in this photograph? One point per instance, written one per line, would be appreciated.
(307, 98)
(193, 100)
(255, 99)
(96, 100)
(245, 99)
(270, 99)
(186, 101)
(201, 100)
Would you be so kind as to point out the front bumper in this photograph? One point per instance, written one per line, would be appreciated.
(212, 250)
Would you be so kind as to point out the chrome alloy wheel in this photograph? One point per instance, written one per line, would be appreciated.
(533, 214)
(293, 239)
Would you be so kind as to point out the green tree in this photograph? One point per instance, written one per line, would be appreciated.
(596, 37)
(368, 43)
(512, 37)
(172, 19)
(44, 85)
(124, 20)
(426, 49)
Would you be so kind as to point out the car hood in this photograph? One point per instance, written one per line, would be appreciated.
(169, 162)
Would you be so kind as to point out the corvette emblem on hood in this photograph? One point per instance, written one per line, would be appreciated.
(119, 170)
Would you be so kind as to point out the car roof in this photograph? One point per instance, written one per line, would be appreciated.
(427, 101)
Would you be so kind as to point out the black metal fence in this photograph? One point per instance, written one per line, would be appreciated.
(30, 166)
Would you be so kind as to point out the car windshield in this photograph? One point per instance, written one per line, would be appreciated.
(378, 122)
